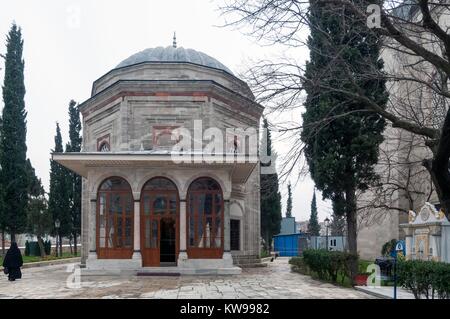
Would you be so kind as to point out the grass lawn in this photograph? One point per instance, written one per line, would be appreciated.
(33, 259)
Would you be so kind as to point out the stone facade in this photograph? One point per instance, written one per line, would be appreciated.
(124, 123)
(406, 183)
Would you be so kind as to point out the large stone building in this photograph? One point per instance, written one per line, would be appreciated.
(407, 184)
(148, 202)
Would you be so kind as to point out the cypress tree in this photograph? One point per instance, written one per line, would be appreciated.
(35, 187)
(289, 202)
(74, 180)
(39, 221)
(269, 195)
(14, 178)
(337, 226)
(58, 202)
(341, 139)
(2, 221)
(313, 224)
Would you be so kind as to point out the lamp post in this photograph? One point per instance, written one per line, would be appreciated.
(327, 223)
(57, 225)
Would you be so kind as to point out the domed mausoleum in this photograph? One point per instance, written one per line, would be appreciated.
(170, 167)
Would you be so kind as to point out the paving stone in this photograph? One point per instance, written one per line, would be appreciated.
(274, 281)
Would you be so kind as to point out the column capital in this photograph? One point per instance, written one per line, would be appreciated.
(137, 195)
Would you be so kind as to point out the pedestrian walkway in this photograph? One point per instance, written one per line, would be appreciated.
(273, 282)
(385, 292)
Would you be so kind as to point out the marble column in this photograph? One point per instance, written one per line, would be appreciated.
(408, 244)
(227, 258)
(183, 226)
(226, 226)
(182, 256)
(137, 231)
(92, 236)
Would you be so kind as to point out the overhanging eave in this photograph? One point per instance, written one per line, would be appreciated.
(240, 166)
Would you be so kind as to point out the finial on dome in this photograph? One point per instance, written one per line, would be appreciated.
(174, 40)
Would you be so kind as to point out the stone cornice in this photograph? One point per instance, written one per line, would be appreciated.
(169, 88)
(168, 66)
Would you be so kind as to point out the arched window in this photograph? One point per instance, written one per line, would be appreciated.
(205, 219)
(104, 147)
(115, 219)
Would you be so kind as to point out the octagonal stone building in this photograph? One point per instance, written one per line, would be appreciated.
(154, 200)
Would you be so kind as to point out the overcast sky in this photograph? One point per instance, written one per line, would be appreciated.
(69, 44)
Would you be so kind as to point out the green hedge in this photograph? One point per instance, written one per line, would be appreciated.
(427, 279)
(48, 247)
(33, 249)
(298, 265)
(327, 265)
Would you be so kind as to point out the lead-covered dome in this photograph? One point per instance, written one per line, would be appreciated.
(173, 54)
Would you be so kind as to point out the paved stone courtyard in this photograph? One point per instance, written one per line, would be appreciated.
(274, 281)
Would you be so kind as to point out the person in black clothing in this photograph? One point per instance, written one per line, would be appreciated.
(12, 263)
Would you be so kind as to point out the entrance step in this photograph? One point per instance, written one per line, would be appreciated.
(253, 265)
(159, 271)
(149, 274)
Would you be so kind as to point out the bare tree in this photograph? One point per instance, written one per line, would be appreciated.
(415, 34)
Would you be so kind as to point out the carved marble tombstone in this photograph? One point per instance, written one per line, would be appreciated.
(427, 235)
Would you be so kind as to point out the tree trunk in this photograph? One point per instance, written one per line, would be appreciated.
(70, 245)
(41, 246)
(56, 245)
(13, 237)
(441, 180)
(439, 165)
(350, 208)
(3, 243)
(75, 244)
(60, 246)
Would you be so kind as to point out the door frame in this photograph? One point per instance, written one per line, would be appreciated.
(147, 259)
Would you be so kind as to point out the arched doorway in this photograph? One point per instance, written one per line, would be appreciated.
(115, 219)
(159, 222)
(205, 219)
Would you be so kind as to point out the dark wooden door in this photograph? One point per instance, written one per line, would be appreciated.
(159, 226)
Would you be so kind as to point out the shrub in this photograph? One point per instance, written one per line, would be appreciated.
(264, 253)
(388, 247)
(425, 278)
(298, 265)
(27, 248)
(362, 267)
(328, 265)
(47, 247)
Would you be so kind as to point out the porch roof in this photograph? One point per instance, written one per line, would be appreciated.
(240, 165)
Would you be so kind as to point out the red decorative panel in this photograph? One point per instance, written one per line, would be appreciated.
(103, 144)
(164, 135)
